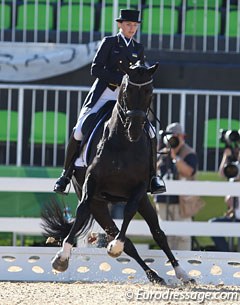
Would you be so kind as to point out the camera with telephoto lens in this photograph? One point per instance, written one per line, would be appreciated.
(232, 169)
(229, 137)
(168, 138)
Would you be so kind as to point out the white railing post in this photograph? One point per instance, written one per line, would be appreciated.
(183, 110)
(115, 15)
(53, 12)
(20, 126)
(172, 104)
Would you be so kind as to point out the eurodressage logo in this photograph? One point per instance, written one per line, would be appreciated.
(172, 295)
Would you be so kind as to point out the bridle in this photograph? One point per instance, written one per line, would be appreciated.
(128, 114)
(139, 85)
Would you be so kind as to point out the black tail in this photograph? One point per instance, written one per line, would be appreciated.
(53, 222)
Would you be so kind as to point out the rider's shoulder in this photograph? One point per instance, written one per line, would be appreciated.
(110, 38)
(137, 42)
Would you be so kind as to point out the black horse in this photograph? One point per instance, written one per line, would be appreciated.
(118, 171)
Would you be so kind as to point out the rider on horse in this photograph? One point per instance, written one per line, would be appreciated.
(105, 67)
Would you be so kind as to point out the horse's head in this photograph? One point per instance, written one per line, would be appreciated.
(135, 97)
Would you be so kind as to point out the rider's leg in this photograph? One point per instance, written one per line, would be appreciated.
(157, 185)
(73, 150)
(72, 153)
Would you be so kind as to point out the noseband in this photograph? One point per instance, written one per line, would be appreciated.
(128, 114)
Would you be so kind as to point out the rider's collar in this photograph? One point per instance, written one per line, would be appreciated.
(126, 40)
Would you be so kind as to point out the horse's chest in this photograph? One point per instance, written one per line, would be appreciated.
(124, 163)
(115, 161)
(117, 165)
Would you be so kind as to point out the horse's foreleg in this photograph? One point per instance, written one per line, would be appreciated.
(149, 214)
(130, 210)
(101, 214)
(104, 219)
(116, 246)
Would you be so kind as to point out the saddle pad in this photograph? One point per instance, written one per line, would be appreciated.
(81, 161)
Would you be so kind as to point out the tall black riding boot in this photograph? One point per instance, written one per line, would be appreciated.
(157, 185)
(71, 156)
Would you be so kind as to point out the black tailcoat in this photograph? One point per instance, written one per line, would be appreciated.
(105, 65)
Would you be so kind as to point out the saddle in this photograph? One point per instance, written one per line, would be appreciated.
(92, 124)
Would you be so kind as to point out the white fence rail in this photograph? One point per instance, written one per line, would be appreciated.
(173, 25)
(174, 187)
(32, 226)
(26, 226)
(38, 119)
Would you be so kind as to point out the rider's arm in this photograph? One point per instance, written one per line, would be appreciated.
(104, 55)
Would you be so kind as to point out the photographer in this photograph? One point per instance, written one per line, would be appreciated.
(180, 164)
(229, 169)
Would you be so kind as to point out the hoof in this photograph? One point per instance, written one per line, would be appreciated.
(58, 264)
(183, 276)
(190, 281)
(154, 278)
(115, 248)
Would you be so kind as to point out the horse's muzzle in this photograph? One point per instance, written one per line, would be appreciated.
(135, 130)
(135, 121)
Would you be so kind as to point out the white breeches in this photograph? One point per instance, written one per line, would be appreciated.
(107, 95)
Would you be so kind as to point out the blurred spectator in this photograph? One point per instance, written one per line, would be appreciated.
(228, 169)
(180, 164)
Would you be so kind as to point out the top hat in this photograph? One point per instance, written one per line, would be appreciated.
(129, 15)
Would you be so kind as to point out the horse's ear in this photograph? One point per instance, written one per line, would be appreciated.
(153, 68)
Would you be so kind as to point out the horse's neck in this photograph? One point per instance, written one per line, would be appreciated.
(115, 125)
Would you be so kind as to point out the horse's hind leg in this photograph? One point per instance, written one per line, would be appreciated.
(130, 250)
(149, 214)
(60, 261)
(82, 222)
(83, 212)
(102, 216)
